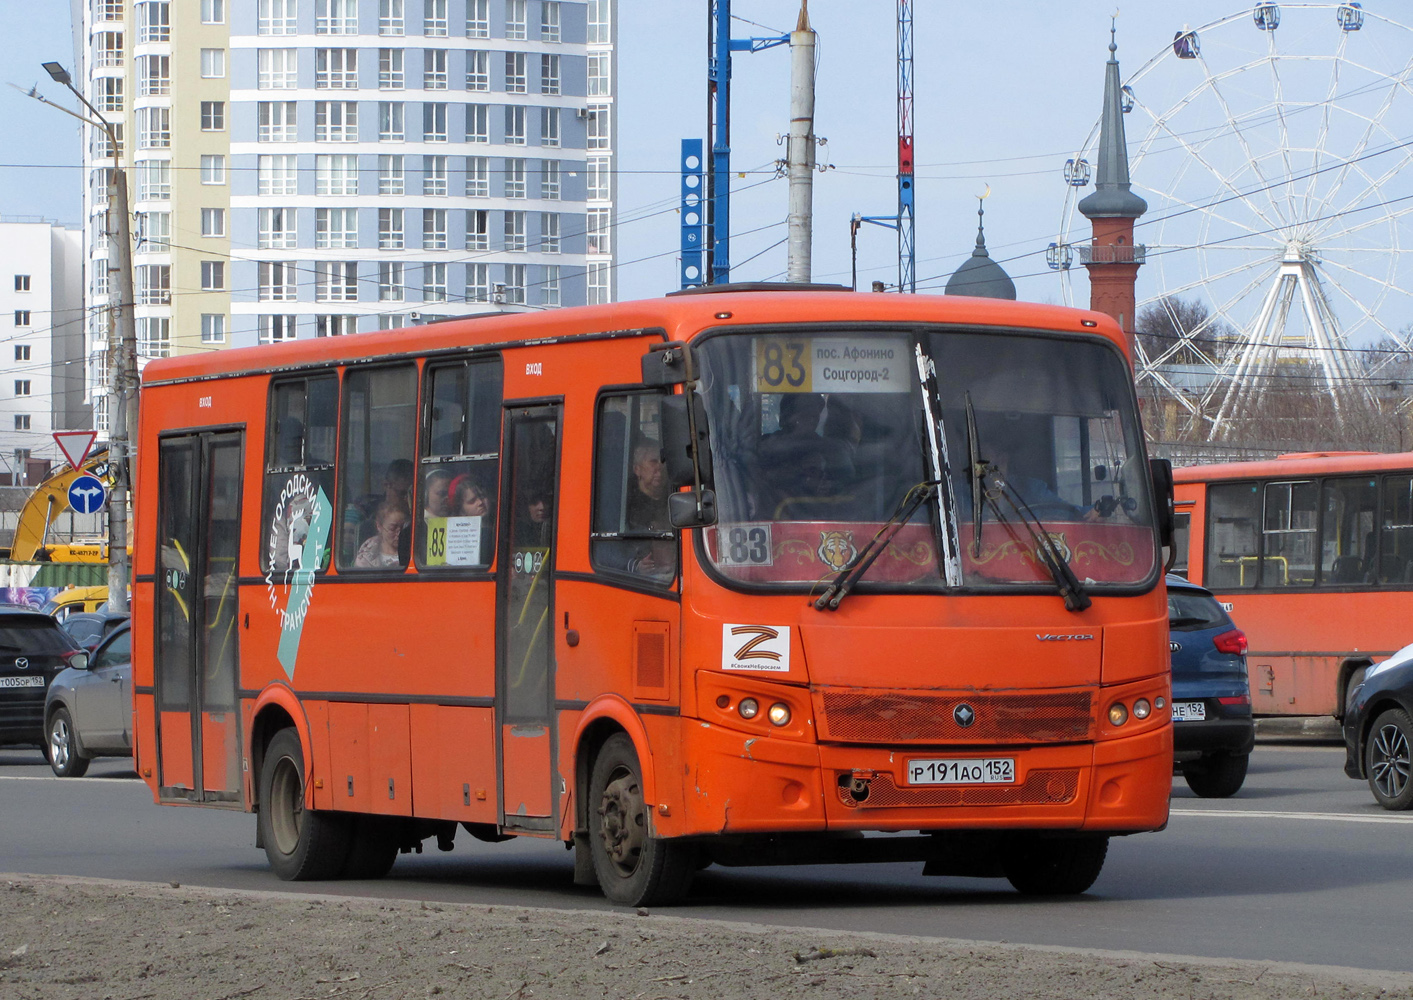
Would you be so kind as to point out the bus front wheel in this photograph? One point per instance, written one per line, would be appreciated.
(633, 867)
(1053, 866)
(302, 844)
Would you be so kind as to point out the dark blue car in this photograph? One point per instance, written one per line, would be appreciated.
(1213, 731)
(1378, 731)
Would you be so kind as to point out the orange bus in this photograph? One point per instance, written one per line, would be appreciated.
(722, 578)
(1313, 555)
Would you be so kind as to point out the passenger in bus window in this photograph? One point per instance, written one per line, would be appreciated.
(534, 529)
(436, 495)
(382, 550)
(469, 498)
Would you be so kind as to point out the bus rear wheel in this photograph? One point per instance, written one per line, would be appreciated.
(302, 844)
(1053, 866)
(373, 847)
(633, 867)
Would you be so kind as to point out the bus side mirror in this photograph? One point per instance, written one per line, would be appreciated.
(692, 509)
(669, 363)
(686, 442)
(1161, 472)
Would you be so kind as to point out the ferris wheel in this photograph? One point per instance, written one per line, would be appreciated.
(1275, 149)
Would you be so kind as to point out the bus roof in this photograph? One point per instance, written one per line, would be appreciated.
(680, 317)
(1297, 464)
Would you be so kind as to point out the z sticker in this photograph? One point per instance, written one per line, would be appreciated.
(755, 647)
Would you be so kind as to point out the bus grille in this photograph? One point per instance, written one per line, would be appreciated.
(1054, 786)
(913, 717)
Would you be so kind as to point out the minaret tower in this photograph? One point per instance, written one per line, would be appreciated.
(1111, 257)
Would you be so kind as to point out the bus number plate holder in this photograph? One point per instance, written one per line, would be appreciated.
(962, 771)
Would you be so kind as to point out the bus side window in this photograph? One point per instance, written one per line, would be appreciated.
(1396, 545)
(1292, 517)
(299, 474)
(630, 532)
(1233, 540)
(1182, 538)
(376, 470)
(460, 465)
(1348, 543)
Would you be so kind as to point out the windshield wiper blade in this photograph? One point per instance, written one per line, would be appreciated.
(976, 472)
(1046, 550)
(856, 567)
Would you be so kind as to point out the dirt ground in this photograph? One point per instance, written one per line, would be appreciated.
(91, 939)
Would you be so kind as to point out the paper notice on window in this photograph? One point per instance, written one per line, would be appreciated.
(463, 541)
(832, 364)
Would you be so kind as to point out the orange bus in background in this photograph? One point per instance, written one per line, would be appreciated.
(1312, 554)
(717, 578)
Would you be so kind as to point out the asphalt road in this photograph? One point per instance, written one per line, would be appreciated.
(1301, 866)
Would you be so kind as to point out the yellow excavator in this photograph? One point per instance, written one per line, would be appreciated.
(50, 499)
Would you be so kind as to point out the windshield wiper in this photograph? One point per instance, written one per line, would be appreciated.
(977, 471)
(856, 567)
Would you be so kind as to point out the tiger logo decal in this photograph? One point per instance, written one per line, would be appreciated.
(836, 549)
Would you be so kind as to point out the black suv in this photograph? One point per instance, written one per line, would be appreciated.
(33, 648)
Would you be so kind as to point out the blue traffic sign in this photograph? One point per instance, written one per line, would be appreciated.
(87, 494)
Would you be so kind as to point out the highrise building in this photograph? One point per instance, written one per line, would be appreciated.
(305, 168)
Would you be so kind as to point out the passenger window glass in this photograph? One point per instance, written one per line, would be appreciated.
(1396, 546)
(460, 466)
(379, 431)
(1349, 542)
(1232, 538)
(1290, 523)
(1189, 612)
(116, 652)
(299, 471)
(1182, 538)
(630, 532)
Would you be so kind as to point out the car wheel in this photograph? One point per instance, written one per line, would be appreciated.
(633, 867)
(1217, 776)
(62, 748)
(1060, 866)
(373, 847)
(302, 844)
(1386, 759)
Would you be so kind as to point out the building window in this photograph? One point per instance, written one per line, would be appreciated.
(515, 232)
(277, 281)
(515, 177)
(22, 387)
(434, 23)
(108, 10)
(213, 116)
(335, 228)
(154, 285)
(277, 69)
(549, 286)
(277, 17)
(596, 226)
(22, 352)
(390, 69)
(335, 17)
(336, 281)
(515, 78)
(598, 288)
(390, 235)
(108, 49)
(598, 74)
(335, 326)
(478, 71)
(434, 283)
(549, 180)
(515, 20)
(391, 179)
(213, 222)
(599, 32)
(154, 128)
(22, 317)
(598, 129)
(274, 329)
(21, 421)
(154, 76)
(213, 275)
(213, 11)
(154, 180)
(213, 168)
(515, 284)
(478, 123)
(154, 21)
(154, 231)
(391, 122)
(102, 147)
(275, 121)
(154, 336)
(549, 21)
(390, 18)
(478, 229)
(434, 76)
(433, 229)
(434, 122)
(336, 69)
(277, 229)
(21, 282)
(478, 282)
(277, 174)
(336, 175)
(549, 74)
(478, 18)
(478, 177)
(434, 176)
(549, 232)
(213, 64)
(514, 125)
(335, 121)
(213, 328)
(597, 186)
(549, 127)
(110, 93)
(390, 281)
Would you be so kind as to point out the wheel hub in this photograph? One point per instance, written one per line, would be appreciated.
(59, 743)
(286, 806)
(623, 825)
(1390, 764)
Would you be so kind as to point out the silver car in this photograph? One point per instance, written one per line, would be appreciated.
(88, 711)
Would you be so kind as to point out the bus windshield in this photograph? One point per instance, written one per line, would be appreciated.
(818, 435)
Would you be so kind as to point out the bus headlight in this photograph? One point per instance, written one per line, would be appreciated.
(1118, 713)
(1141, 708)
(749, 708)
(779, 714)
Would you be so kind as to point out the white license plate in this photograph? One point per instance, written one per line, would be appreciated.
(1189, 711)
(962, 771)
(21, 682)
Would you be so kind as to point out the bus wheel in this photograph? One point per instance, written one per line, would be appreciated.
(373, 846)
(302, 844)
(1060, 866)
(1388, 759)
(633, 867)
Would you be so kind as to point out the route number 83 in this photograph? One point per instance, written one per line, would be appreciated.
(781, 365)
(745, 545)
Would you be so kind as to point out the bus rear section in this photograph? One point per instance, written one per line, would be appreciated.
(730, 579)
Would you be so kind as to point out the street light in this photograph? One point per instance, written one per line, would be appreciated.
(123, 370)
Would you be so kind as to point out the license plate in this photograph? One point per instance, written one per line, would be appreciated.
(21, 682)
(1189, 711)
(957, 771)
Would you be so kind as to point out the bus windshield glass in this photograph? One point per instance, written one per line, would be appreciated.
(818, 436)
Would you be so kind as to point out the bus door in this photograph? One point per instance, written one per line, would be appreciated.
(196, 670)
(525, 639)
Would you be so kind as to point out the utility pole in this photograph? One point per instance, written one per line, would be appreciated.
(800, 148)
(122, 369)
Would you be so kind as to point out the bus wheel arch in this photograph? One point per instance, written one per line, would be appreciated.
(604, 718)
(275, 710)
(1351, 675)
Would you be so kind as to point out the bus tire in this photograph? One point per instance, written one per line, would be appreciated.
(302, 844)
(372, 848)
(633, 867)
(1053, 866)
(1387, 752)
